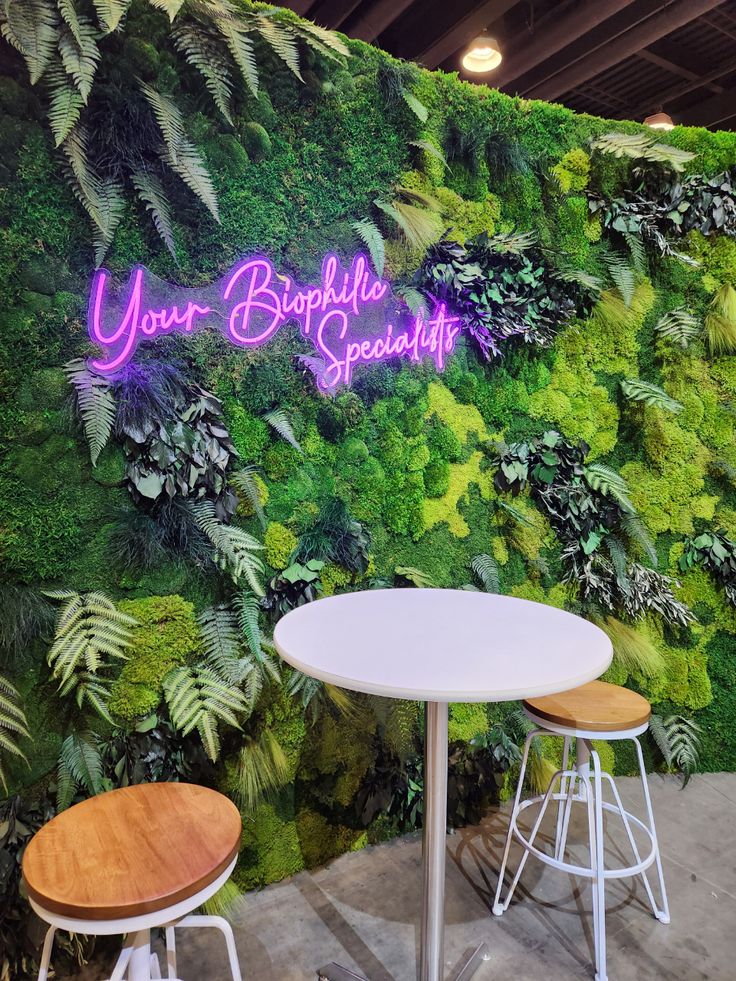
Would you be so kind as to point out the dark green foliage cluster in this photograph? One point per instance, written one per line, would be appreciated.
(715, 552)
(502, 289)
(392, 482)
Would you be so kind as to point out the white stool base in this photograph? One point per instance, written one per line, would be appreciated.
(136, 962)
(586, 773)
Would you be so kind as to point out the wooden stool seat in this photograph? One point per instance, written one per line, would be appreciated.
(132, 851)
(595, 707)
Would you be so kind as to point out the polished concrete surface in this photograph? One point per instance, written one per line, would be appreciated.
(362, 910)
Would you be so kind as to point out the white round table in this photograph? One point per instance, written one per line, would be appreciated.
(440, 646)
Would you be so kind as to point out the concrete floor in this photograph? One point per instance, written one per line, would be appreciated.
(362, 910)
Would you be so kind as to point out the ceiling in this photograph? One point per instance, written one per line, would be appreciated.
(622, 59)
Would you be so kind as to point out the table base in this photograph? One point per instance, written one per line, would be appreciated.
(334, 972)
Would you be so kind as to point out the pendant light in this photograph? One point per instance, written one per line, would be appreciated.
(483, 55)
(659, 120)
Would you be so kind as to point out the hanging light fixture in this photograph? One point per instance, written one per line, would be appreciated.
(483, 55)
(659, 120)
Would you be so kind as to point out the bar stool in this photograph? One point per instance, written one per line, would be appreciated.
(597, 711)
(131, 860)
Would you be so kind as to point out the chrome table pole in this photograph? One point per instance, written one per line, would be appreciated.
(431, 956)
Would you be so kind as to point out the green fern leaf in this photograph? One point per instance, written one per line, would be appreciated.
(417, 107)
(325, 42)
(248, 609)
(80, 56)
(170, 7)
(515, 243)
(202, 49)
(414, 299)
(244, 481)
(65, 104)
(80, 765)
(241, 48)
(31, 27)
(279, 421)
(415, 576)
(95, 404)
(486, 569)
(604, 479)
(431, 149)
(234, 549)
(71, 18)
(13, 725)
(110, 13)
(622, 275)
(198, 698)
(281, 39)
(641, 391)
(152, 194)
(679, 326)
(371, 235)
(421, 228)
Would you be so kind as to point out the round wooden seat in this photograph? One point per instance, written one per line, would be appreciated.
(596, 707)
(132, 851)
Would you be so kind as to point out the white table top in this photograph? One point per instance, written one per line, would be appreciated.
(444, 645)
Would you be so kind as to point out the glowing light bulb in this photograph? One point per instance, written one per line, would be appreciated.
(483, 55)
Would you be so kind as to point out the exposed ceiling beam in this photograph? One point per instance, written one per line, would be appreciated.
(526, 51)
(377, 18)
(713, 111)
(721, 28)
(676, 14)
(675, 61)
(463, 31)
(333, 13)
(581, 45)
(677, 91)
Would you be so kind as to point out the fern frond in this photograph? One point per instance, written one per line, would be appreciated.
(234, 548)
(244, 481)
(65, 104)
(640, 391)
(278, 420)
(584, 279)
(202, 49)
(622, 275)
(152, 194)
(642, 146)
(87, 627)
(679, 326)
(607, 481)
(325, 42)
(678, 739)
(170, 7)
(31, 27)
(414, 299)
(431, 149)
(515, 243)
(637, 252)
(415, 576)
(198, 698)
(110, 13)
(13, 725)
(180, 154)
(486, 569)
(80, 55)
(417, 107)
(371, 235)
(95, 404)
(80, 765)
(218, 625)
(247, 609)
(241, 48)
(281, 39)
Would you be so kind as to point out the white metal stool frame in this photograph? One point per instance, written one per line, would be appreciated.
(136, 962)
(590, 793)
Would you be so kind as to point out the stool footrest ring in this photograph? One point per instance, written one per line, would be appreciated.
(582, 870)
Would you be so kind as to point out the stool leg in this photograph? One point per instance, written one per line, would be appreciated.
(170, 952)
(139, 966)
(563, 804)
(662, 915)
(48, 944)
(498, 907)
(221, 924)
(599, 882)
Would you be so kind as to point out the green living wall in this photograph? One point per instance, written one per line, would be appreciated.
(589, 464)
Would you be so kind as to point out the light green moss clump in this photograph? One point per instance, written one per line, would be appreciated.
(467, 721)
(279, 542)
(167, 637)
(572, 171)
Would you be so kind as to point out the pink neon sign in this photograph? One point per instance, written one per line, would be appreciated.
(351, 317)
